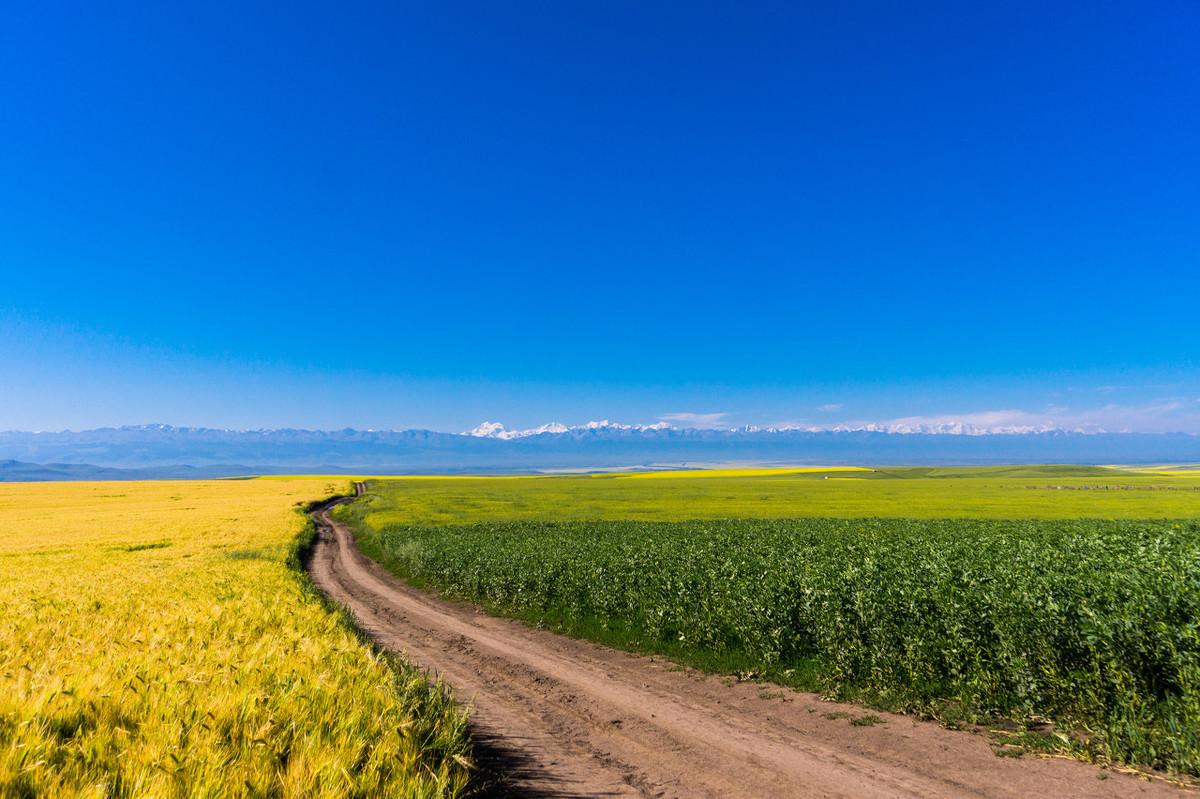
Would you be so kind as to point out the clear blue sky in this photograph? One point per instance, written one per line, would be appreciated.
(429, 214)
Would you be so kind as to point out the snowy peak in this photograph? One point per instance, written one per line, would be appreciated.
(487, 430)
(498, 430)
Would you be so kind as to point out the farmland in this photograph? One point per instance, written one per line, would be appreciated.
(155, 642)
(1044, 492)
(1031, 596)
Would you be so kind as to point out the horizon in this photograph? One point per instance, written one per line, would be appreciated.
(812, 217)
(160, 451)
(949, 426)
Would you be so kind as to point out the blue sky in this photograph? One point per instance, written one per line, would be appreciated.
(430, 214)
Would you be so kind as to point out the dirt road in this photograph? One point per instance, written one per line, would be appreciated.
(565, 718)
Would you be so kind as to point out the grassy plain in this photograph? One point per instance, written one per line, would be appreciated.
(995, 593)
(999, 492)
(155, 642)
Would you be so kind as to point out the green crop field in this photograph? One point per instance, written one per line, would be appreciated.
(1060, 492)
(1018, 594)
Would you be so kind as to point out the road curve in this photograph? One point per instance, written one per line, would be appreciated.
(566, 718)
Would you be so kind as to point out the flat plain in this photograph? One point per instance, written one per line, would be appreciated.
(158, 638)
(993, 492)
(1056, 603)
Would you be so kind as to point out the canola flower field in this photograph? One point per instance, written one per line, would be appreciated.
(154, 641)
(1069, 594)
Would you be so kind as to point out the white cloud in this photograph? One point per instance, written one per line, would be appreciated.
(701, 421)
(830, 407)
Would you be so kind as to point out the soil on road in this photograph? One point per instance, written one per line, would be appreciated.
(566, 718)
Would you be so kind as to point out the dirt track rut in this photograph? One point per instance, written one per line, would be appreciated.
(566, 718)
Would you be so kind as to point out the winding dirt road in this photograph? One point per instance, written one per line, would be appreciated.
(566, 718)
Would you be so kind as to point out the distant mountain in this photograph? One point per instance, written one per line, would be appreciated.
(166, 451)
(20, 472)
(497, 430)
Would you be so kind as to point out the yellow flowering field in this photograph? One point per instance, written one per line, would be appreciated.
(155, 642)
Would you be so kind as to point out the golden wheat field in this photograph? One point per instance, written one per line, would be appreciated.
(155, 642)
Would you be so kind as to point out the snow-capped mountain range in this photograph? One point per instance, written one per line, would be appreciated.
(166, 451)
(951, 428)
(497, 430)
